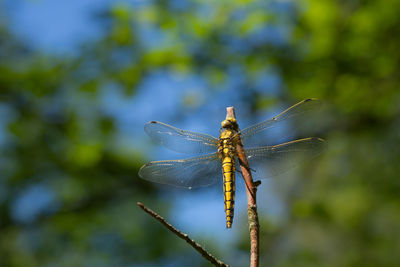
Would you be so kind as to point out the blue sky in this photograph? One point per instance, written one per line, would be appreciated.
(54, 26)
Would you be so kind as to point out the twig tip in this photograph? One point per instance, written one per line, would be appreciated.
(230, 112)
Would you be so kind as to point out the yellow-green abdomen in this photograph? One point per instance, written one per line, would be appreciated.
(228, 170)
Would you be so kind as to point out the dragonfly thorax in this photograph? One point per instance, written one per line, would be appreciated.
(227, 143)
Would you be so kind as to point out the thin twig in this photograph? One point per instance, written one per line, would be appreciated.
(251, 189)
(184, 236)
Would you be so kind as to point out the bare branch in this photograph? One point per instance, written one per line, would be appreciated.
(184, 236)
(251, 189)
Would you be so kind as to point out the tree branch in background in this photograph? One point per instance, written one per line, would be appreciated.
(251, 189)
(184, 236)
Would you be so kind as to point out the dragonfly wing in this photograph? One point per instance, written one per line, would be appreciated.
(253, 135)
(180, 140)
(274, 160)
(188, 173)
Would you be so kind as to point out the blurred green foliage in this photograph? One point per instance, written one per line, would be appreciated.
(344, 211)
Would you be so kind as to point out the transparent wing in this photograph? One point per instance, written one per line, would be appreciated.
(255, 135)
(188, 173)
(274, 160)
(180, 140)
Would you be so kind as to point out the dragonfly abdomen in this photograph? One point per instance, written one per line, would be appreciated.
(228, 169)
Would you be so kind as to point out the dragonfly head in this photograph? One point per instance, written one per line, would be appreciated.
(230, 123)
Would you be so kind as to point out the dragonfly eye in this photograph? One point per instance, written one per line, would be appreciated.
(228, 123)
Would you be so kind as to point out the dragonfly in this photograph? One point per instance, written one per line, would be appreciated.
(218, 155)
